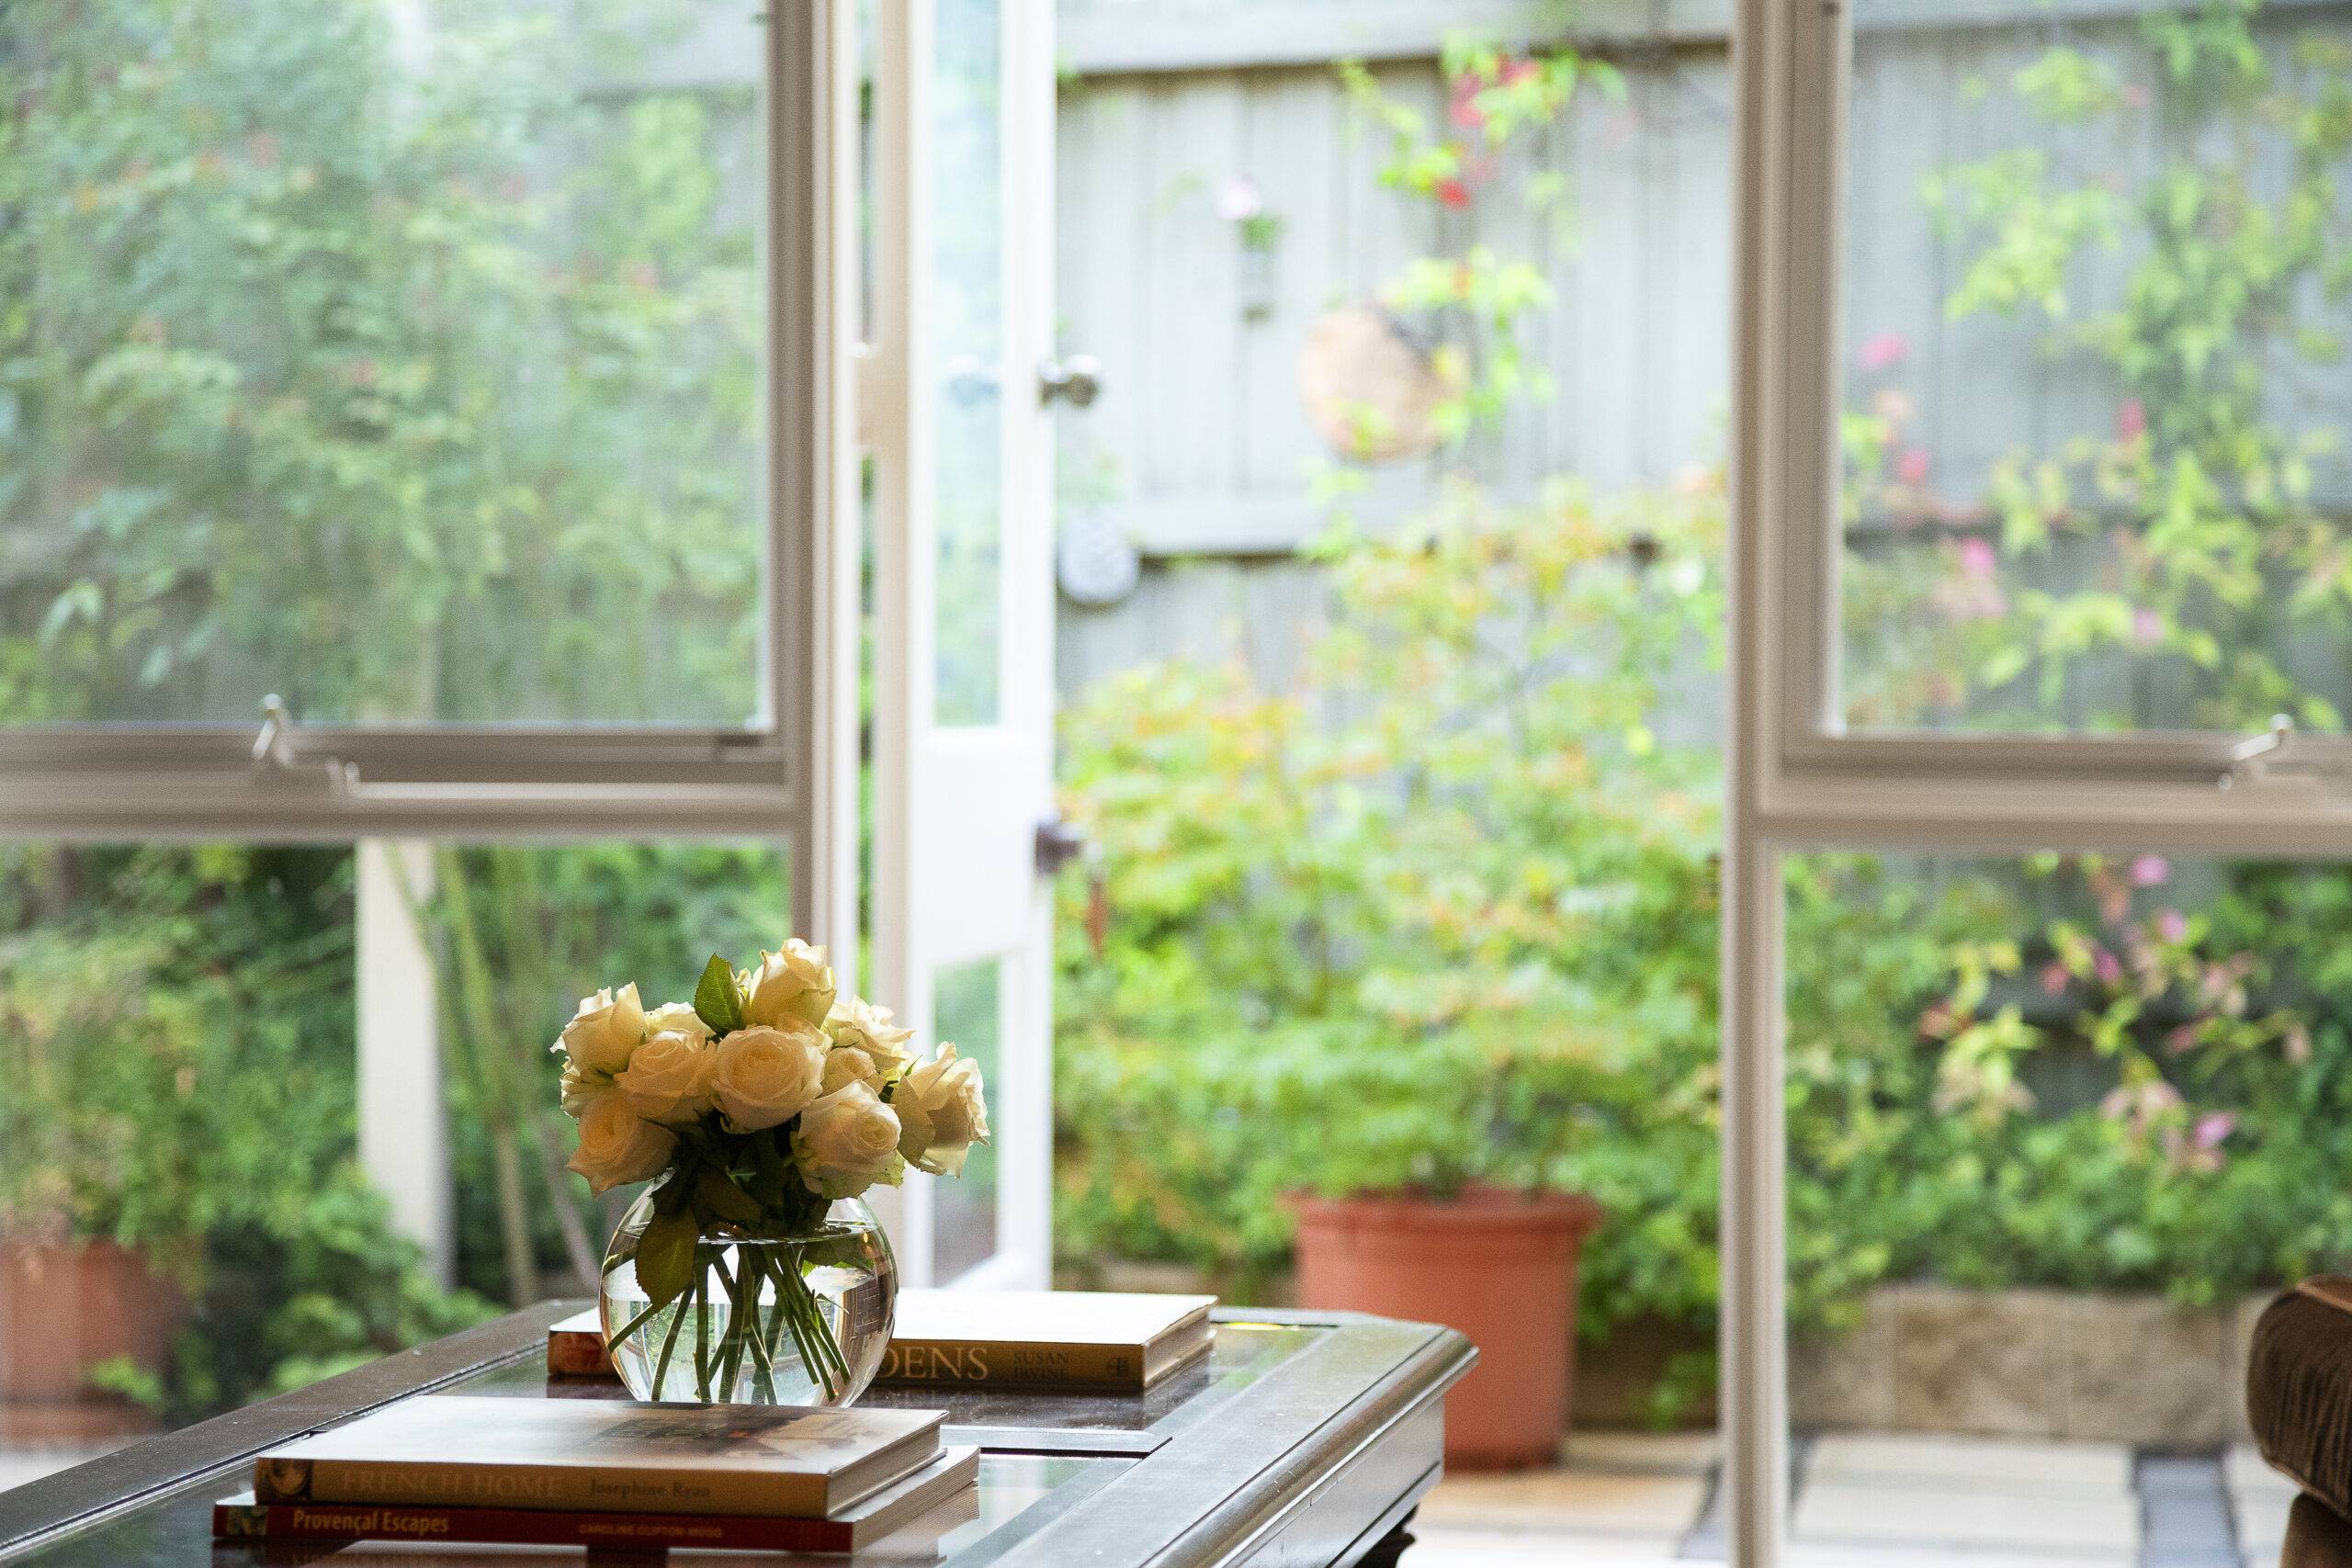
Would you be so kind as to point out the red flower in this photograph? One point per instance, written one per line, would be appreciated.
(1453, 193)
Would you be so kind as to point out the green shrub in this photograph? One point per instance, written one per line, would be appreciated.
(175, 1028)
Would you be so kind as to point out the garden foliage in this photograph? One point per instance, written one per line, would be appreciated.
(321, 373)
(1445, 910)
(374, 362)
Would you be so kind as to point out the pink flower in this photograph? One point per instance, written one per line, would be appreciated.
(2054, 978)
(2132, 420)
(2109, 967)
(1976, 558)
(1453, 193)
(2147, 627)
(2211, 1128)
(1911, 467)
(2173, 926)
(2139, 1103)
(1465, 111)
(2149, 870)
(1238, 198)
(1882, 349)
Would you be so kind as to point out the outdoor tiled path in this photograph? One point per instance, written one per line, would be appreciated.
(21, 1465)
(2258, 1497)
(1885, 1500)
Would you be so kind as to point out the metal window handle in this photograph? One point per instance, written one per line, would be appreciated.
(1077, 380)
(2280, 759)
(275, 760)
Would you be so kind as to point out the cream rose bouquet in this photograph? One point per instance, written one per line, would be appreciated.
(757, 1105)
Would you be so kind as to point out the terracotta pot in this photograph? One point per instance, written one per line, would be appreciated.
(64, 1307)
(1500, 1267)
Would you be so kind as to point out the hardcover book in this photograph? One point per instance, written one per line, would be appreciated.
(951, 1475)
(453, 1450)
(576, 1347)
(1039, 1339)
(1093, 1339)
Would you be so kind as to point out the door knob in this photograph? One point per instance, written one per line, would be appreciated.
(1077, 380)
(1059, 841)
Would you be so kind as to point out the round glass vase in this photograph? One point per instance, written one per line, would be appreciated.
(769, 1317)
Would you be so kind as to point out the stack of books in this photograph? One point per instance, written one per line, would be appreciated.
(450, 1469)
(1099, 1341)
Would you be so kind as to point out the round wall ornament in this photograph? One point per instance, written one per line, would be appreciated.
(1095, 561)
(1369, 386)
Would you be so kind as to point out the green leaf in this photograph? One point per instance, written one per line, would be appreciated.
(665, 1255)
(768, 1169)
(717, 1000)
(717, 1193)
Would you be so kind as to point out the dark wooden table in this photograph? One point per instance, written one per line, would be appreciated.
(1306, 1439)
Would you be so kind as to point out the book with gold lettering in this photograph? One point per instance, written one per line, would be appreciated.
(1040, 1339)
(454, 1451)
(1090, 1340)
(925, 1496)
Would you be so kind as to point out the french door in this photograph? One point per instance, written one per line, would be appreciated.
(963, 700)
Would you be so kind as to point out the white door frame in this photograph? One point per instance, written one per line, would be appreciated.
(943, 894)
(1796, 780)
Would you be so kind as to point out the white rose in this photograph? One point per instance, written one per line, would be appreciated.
(616, 1145)
(669, 1079)
(794, 983)
(607, 1027)
(854, 1021)
(846, 1142)
(848, 1065)
(942, 1112)
(677, 1017)
(765, 1076)
(579, 1089)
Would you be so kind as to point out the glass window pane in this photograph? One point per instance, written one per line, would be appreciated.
(964, 1223)
(967, 322)
(400, 359)
(2057, 1129)
(2095, 386)
(186, 1138)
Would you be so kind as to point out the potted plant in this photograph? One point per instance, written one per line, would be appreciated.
(89, 1212)
(183, 1227)
(1429, 1189)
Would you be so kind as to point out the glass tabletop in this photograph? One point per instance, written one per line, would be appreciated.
(177, 1527)
(1022, 1485)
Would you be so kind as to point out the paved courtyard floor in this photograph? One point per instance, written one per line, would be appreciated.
(21, 1465)
(1886, 1499)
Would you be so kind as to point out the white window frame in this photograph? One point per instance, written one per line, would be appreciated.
(1796, 780)
(791, 773)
